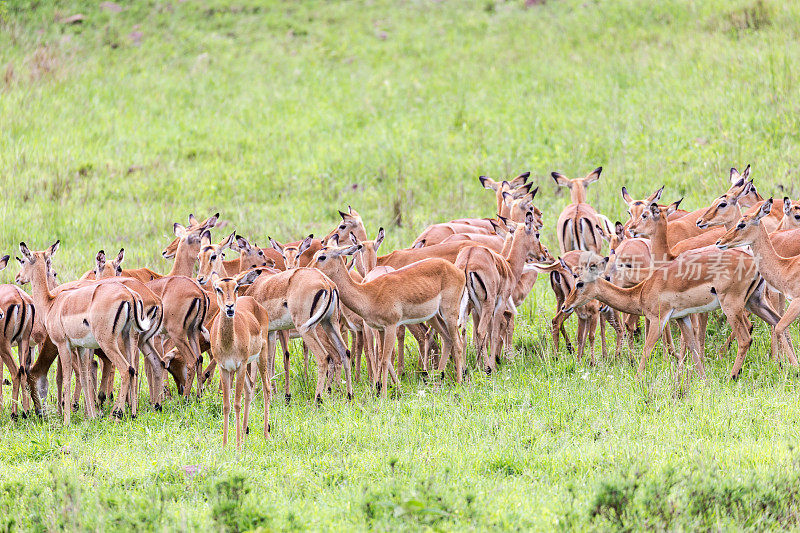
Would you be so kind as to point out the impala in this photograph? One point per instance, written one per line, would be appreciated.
(239, 336)
(782, 273)
(16, 307)
(90, 317)
(432, 289)
(577, 225)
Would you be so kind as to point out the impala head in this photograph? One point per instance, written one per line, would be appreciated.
(589, 269)
(226, 289)
(104, 269)
(329, 257)
(528, 234)
(637, 207)
(649, 220)
(577, 186)
(351, 223)
(291, 252)
(211, 256)
(519, 207)
(368, 253)
(250, 255)
(725, 209)
(31, 260)
(746, 230)
(503, 187)
(791, 214)
(190, 233)
(743, 185)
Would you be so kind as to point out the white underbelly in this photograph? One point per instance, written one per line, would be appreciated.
(281, 322)
(229, 364)
(86, 342)
(417, 320)
(711, 306)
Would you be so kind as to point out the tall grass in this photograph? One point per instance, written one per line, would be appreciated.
(277, 114)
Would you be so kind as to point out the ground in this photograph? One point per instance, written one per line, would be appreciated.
(276, 114)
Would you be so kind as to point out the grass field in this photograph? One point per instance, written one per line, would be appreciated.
(276, 114)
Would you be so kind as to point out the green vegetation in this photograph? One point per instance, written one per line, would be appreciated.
(277, 114)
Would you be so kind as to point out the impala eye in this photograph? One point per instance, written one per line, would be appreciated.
(342, 227)
(579, 285)
(740, 226)
(214, 257)
(723, 204)
(261, 252)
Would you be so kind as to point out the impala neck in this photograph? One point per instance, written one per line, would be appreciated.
(659, 246)
(777, 271)
(517, 254)
(42, 297)
(577, 193)
(353, 294)
(625, 300)
(184, 262)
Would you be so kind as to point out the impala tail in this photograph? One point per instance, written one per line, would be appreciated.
(140, 319)
(322, 302)
(462, 309)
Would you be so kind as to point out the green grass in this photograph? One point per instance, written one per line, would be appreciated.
(277, 114)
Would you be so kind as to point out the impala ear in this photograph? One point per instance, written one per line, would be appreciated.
(53, 248)
(566, 267)
(214, 277)
(306, 244)
(350, 210)
(418, 244)
(561, 179)
(533, 193)
(335, 239)
(278, 247)
(528, 222)
(508, 198)
(23, 248)
(100, 260)
(656, 196)
(787, 206)
(746, 173)
(735, 176)
(247, 278)
(764, 210)
(520, 192)
(343, 215)
(241, 244)
(211, 221)
(626, 197)
(519, 181)
(4, 261)
(671, 208)
(655, 210)
(179, 231)
(205, 238)
(488, 183)
(379, 239)
(353, 238)
(619, 229)
(593, 176)
(228, 243)
(120, 257)
(192, 220)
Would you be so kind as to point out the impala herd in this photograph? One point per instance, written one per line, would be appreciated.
(740, 254)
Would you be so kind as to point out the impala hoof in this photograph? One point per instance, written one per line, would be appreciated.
(6, 382)
(319, 400)
(247, 430)
(75, 407)
(349, 396)
(101, 398)
(288, 398)
(158, 407)
(14, 417)
(269, 428)
(117, 413)
(488, 371)
(24, 415)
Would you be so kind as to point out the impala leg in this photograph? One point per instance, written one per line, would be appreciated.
(263, 370)
(702, 327)
(335, 337)
(225, 379)
(241, 377)
(8, 360)
(283, 336)
(739, 323)
(321, 357)
(357, 346)
(603, 350)
(653, 333)
(126, 373)
(590, 332)
(248, 399)
(765, 311)
(65, 363)
(388, 337)
(401, 349)
(692, 344)
(24, 355)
